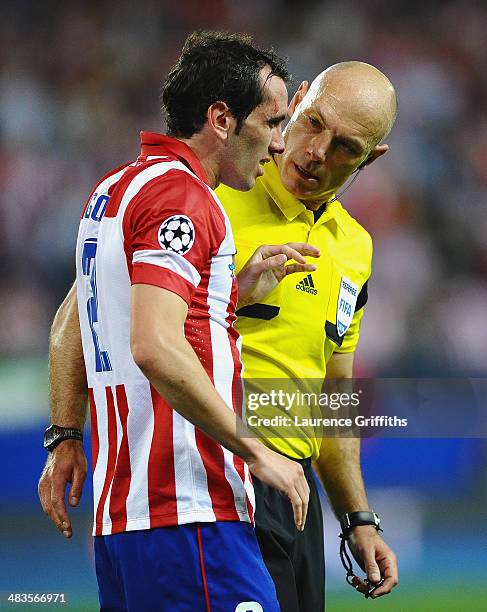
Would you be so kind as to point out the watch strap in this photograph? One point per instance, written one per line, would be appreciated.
(55, 434)
(350, 520)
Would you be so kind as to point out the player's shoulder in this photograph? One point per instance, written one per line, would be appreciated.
(169, 183)
(173, 175)
(171, 178)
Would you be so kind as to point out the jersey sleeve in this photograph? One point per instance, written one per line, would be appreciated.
(171, 230)
(351, 338)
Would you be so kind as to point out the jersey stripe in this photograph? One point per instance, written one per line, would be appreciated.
(191, 484)
(139, 434)
(241, 467)
(103, 522)
(121, 480)
(161, 477)
(249, 490)
(99, 471)
(222, 353)
(95, 443)
(220, 492)
(171, 261)
(146, 274)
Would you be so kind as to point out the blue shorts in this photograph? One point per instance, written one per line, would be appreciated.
(200, 567)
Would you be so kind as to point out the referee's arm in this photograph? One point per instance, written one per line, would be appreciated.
(338, 467)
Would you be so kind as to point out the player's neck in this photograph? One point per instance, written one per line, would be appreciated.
(206, 156)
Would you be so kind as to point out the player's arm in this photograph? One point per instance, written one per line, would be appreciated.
(68, 396)
(339, 469)
(166, 358)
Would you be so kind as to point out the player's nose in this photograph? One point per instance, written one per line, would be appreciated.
(277, 141)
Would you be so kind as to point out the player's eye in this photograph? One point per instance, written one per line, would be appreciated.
(314, 122)
(275, 122)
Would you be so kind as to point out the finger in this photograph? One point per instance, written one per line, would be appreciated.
(303, 491)
(284, 249)
(305, 249)
(293, 254)
(293, 268)
(297, 505)
(271, 262)
(382, 590)
(44, 490)
(389, 573)
(77, 487)
(59, 513)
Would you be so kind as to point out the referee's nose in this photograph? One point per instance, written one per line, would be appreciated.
(318, 146)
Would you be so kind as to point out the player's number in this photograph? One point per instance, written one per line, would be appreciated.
(249, 606)
(102, 360)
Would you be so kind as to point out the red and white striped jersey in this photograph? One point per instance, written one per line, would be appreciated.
(156, 221)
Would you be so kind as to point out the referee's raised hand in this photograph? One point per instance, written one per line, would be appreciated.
(266, 268)
(287, 477)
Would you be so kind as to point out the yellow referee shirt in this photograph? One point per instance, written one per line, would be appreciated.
(308, 317)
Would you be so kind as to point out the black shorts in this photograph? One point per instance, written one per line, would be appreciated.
(295, 559)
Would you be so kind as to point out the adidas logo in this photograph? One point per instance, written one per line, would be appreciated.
(307, 285)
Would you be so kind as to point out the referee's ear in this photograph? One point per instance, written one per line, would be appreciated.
(296, 99)
(376, 152)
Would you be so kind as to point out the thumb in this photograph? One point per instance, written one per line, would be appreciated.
(372, 569)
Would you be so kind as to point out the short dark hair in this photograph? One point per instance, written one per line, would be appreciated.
(216, 67)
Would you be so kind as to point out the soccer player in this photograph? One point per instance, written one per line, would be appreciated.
(308, 330)
(157, 292)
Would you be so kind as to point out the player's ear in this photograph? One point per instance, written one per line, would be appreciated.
(298, 96)
(220, 119)
(376, 152)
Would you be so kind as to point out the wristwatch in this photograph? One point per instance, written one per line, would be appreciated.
(55, 434)
(350, 520)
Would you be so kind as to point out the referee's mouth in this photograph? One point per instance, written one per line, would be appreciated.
(305, 174)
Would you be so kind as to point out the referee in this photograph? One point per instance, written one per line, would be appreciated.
(307, 328)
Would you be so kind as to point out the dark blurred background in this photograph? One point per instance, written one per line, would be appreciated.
(79, 80)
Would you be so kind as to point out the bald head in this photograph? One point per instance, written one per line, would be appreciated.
(360, 92)
(337, 126)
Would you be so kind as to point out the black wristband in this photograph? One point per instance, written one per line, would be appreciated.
(55, 434)
(350, 520)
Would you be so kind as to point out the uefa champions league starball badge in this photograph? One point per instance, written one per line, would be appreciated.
(177, 234)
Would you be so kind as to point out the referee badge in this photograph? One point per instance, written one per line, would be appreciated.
(347, 299)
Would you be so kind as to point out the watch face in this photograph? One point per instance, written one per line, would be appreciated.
(51, 434)
(55, 434)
